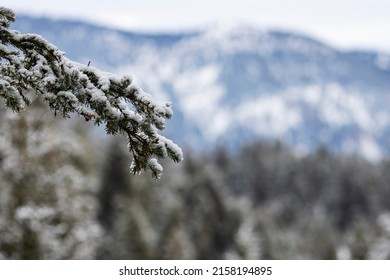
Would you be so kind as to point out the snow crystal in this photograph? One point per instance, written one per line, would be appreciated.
(115, 112)
(154, 165)
(172, 146)
(97, 95)
(104, 82)
(127, 112)
(68, 95)
(122, 105)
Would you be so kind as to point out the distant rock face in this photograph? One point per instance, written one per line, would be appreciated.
(230, 85)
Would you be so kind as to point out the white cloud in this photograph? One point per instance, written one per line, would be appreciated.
(345, 23)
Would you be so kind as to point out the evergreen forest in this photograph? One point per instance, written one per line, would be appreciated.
(66, 192)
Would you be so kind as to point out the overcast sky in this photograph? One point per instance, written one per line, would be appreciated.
(363, 24)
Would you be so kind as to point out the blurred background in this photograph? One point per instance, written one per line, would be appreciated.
(282, 111)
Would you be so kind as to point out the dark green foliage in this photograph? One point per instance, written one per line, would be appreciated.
(321, 206)
(172, 218)
(115, 182)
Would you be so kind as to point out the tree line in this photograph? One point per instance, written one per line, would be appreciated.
(59, 199)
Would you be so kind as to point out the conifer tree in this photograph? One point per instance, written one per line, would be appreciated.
(47, 192)
(31, 66)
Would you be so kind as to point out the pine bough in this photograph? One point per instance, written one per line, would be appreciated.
(30, 66)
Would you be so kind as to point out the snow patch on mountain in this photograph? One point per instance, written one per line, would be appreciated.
(231, 84)
(269, 115)
(199, 93)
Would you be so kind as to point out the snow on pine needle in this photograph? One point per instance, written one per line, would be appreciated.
(32, 66)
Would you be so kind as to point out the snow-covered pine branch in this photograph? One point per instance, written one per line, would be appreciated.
(32, 66)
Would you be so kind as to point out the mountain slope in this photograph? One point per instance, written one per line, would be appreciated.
(233, 84)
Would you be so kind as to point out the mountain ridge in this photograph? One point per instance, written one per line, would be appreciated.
(232, 85)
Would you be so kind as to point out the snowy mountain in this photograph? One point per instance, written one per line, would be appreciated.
(230, 85)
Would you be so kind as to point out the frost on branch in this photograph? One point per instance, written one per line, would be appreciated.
(32, 66)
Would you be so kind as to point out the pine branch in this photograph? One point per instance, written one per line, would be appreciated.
(31, 65)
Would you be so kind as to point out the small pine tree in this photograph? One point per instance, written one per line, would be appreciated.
(30, 66)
